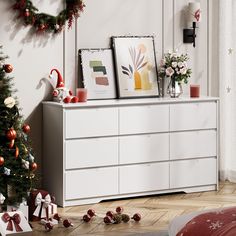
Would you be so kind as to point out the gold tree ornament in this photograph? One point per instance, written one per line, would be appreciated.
(43, 22)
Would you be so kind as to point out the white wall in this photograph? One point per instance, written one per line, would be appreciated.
(34, 56)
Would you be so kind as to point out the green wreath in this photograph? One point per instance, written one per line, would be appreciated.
(43, 22)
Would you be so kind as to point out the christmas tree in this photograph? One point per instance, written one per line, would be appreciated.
(17, 163)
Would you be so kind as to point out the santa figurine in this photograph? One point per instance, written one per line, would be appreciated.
(60, 93)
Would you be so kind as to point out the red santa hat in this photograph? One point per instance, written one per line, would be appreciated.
(60, 82)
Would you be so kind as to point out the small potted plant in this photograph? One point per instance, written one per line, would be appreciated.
(174, 66)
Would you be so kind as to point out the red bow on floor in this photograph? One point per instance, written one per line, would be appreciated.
(16, 220)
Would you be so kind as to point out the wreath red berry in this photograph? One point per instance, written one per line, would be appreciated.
(42, 22)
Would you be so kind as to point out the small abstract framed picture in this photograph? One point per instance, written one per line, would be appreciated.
(98, 75)
(135, 64)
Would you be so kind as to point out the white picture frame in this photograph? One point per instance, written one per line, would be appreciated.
(98, 76)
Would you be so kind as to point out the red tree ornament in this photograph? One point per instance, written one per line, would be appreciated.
(1, 161)
(34, 166)
(27, 13)
(67, 223)
(107, 220)
(136, 217)
(119, 209)
(8, 68)
(11, 134)
(26, 128)
(11, 144)
(86, 218)
(91, 212)
(48, 226)
(110, 214)
(17, 152)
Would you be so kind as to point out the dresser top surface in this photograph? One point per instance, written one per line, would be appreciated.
(129, 102)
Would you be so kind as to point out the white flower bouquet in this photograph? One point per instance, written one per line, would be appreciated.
(175, 66)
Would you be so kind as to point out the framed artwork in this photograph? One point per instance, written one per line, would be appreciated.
(98, 75)
(135, 64)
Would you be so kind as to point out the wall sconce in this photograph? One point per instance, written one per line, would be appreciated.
(194, 16)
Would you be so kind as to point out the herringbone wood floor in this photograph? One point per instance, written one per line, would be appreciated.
(156, 211)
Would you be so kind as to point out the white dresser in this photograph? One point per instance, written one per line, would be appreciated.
(120, 148)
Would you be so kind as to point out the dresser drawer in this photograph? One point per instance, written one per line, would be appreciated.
(92, 152)
(189, 116)
(193, 144)
(91, 122)
(144, 119)
(145, 177)
(189, 173)
(144, 148)
(91, 183)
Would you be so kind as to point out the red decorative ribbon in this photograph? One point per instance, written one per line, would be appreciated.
(16, 220)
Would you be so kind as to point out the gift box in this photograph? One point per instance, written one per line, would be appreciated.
(41, 205)
(21, 207)
(13, 222)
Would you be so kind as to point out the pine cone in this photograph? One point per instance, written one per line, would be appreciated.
(125, 218)
(117, 218)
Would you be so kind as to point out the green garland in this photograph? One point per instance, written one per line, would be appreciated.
(43, 22)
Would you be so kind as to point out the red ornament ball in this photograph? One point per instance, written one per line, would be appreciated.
(34, 166)
(26, 128)
(67, 99)
(8, 68)
(48, 226)
(57, 217)
(91, 212)
(11, 144)
(67, 223)
(136, 217)
(11, 134)
(1, 161)
(119, 209)
(107, 220)
(74, 99)
(110, 214)
(86, 218)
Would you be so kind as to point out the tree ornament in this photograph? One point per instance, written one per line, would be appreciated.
(9, 102)
(11, 134)
(1, 161)
(107, 220)
(91, 212)
(26, 128)
(8, 68)
(53, 24)
(125, 218)
(74, 99)
(67, 223)
(17, 152)
(119, 209)
(6, 171)
(57, 217)
(27, 13)
(86, 218)
(2, 198)
(11, 144)
(34, 166)
(136, 217)
(31, 158)
(25, 164)
(110, 214)
(117, 218)
(48, 226)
